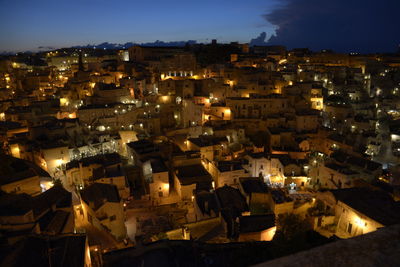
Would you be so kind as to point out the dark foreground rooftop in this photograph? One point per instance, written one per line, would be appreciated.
(174, 253)
(379, 248)
(63, 250)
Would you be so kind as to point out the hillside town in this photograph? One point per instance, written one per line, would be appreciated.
(112, 157)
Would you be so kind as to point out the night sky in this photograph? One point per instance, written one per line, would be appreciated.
(342, 25)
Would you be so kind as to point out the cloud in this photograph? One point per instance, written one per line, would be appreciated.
(260, 40)
(341, 25)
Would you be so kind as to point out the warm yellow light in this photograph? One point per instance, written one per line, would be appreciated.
(164, 98)
(166, 77)
(290, 83)
(282, 61)
(359, 222)
(15, 151)
(59, 162)
(63, 102)
(166, 186)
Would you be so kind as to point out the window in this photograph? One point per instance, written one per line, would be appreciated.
(349, 227)
(112, 218)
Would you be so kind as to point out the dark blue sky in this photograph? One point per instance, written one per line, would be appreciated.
(343, 25)
(28, 24)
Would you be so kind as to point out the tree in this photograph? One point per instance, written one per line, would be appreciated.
(291, 226)
(159, 236)
(57, 182)
(318, 209)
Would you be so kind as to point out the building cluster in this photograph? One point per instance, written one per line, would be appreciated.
(105, 149)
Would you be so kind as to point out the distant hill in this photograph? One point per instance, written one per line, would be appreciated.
(107, 45)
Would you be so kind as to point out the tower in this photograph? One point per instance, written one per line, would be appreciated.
(80, 62)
